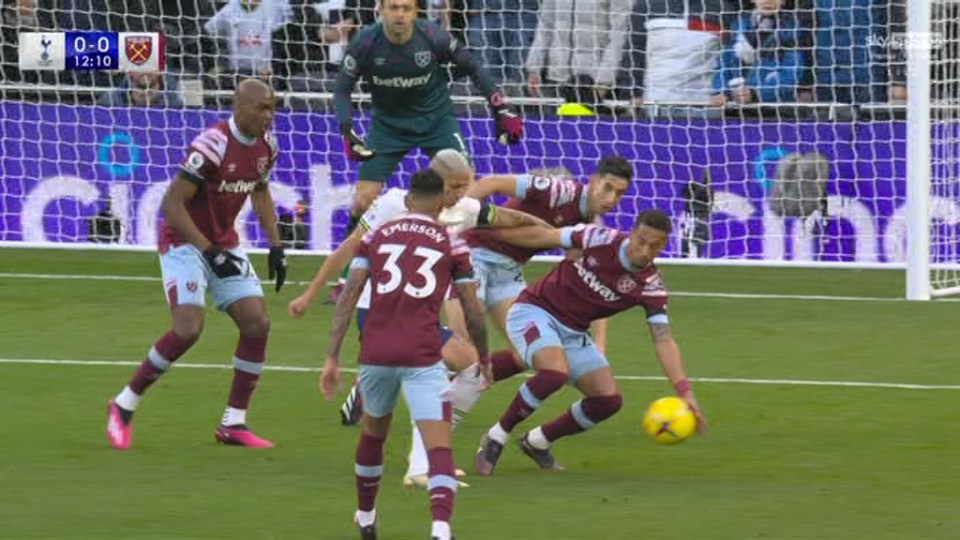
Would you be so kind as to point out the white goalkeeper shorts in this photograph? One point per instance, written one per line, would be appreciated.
(187, 276)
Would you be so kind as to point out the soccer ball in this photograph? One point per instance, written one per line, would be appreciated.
(669, 420)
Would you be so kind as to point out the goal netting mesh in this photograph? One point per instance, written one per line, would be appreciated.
(771, 130)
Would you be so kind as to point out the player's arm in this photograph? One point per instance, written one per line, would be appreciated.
(449, 49)
(184, 188)
(354, 145)
(332, 266)
(507, 218)
(498, 184)
(671, 361)
(359, 274)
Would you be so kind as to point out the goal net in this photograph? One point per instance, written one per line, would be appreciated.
(773, 131)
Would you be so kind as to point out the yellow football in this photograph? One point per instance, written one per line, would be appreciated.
(669, 420)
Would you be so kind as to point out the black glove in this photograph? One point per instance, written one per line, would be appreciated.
(277, 261)
(354, 146)
(223, 263)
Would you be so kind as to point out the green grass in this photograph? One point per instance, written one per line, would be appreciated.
(781, 462)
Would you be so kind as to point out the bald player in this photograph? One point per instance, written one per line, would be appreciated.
(199, 250)
(457, 351)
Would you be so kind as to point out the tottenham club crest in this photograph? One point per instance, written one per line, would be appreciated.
(423, 58)
(626, 284)
(138, 49)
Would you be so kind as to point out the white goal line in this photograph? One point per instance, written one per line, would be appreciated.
(300, 369)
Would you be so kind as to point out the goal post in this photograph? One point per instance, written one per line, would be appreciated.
(919, 142)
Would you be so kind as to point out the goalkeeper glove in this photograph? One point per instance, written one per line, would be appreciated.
(277, 261)
(223, 263)
(354, 145)
(509, 123)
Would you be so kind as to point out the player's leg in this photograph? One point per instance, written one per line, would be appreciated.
(458, 354)
(185, 282)
(534, 334)
(592, 375)
(241, 297)
(427, 394)
(379, 386)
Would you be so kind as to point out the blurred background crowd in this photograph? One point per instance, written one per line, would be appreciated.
(637, 52)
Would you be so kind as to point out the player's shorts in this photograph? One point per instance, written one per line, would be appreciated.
(426, 390)
(501, 278)
(445, 332)
(531, 328)
(186, 278)
(391, 147)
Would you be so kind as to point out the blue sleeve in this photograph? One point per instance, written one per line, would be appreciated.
(728, 67)
(566, 236)
(790, 71)
(361, 263)
(523, 184)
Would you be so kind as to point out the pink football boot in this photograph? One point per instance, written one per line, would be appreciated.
(119, 431)
(240, 436)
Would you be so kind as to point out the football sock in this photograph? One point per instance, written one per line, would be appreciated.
(162, 355)
(443, 485)
(247, 367)
(419, 464)
(369, 469)
(582, 416)
(531, 394)
(504, 365)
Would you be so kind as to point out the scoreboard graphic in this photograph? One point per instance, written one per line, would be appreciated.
(91, 51)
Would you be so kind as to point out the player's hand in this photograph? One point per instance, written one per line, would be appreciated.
(702, 425)
(509, 123)
(331, 381)
(485, 370)
(223, 263)
(462, 216)
(355, 147)
(299, 305)
(277, 261)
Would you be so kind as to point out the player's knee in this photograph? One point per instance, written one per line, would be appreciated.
(188, 330)
(257, 326)
(599, 408)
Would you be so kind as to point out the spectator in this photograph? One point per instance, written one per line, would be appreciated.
(316, 39)
(247, 26)
(763, 61)
(144, 89)
(578, 45)
(293, 228)
(674, 49)
(502, 31)
(854, 62)
(19, 16)
(104, 228)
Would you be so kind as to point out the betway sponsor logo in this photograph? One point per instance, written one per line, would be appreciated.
(402, 82)
(593, 282)
(240, 186)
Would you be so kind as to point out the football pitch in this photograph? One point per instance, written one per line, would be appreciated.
(795, 451)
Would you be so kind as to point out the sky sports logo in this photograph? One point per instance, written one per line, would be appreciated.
(906, 41)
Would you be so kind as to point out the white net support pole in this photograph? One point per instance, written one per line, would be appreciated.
(919, 167)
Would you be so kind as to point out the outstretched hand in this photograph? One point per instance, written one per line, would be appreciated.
(331, 380)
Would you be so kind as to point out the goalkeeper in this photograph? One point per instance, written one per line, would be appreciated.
(403, 60)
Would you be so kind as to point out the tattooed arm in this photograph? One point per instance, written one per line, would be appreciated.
(668, 353)
(473, 312)
(330, 380)
(506, 218)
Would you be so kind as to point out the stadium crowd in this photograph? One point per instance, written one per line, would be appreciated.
(702, 52)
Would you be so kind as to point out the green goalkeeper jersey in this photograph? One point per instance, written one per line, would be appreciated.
(408, 82)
